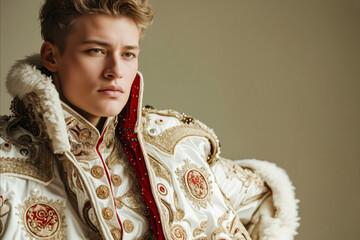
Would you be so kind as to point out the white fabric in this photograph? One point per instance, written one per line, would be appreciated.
(244, 195)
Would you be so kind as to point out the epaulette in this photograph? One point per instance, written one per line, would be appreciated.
(22, 153)
(166, 128)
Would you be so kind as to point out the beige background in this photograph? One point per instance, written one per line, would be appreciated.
(277, 80)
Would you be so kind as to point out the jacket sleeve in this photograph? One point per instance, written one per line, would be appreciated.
(262, 195)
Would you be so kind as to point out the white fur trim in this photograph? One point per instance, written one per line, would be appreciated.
(283, 225)
(23, 78)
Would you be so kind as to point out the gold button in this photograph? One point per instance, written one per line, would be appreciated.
(128, 226)
(102, 192)
(97, 171)
(107, 213)
(116, 233)
(116, 180)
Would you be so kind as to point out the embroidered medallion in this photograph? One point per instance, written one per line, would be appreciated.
(195, 181)
(42, 218)
(162, 189)
(178, 233)
(196, 184)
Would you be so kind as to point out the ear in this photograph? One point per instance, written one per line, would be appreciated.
(49, 53)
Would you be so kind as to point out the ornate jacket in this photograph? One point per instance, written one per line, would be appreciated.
(149, 174)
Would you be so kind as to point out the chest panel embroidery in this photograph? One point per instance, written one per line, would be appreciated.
(196, 183)
(42, 218)
(4, 210)
(178, 233)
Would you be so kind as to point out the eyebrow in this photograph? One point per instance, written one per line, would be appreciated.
(130, 47)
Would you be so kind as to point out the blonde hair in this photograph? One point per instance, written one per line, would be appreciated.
(57, 16)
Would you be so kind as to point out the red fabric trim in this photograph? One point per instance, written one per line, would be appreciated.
(129, 140)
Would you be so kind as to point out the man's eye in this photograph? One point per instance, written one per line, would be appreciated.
(95, 51)
(129, 55)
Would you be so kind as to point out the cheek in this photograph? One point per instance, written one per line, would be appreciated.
(130, 82)
(86, 69)
(80, 75)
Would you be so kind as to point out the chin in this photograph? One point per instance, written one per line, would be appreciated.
(109, 111)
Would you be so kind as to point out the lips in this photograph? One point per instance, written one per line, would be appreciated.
(112, 91)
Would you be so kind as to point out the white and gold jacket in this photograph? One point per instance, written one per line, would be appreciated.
(60, 178)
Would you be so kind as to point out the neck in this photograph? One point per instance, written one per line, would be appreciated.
(100, 124)
(97, 121)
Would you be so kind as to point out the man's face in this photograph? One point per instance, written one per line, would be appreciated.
(98, 66)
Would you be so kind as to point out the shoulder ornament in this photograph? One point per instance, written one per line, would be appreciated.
(166, 128)
(23, 145)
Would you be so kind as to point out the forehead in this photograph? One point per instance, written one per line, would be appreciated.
(104, 28)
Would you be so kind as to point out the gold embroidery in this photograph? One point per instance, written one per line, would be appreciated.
(42, 218)
(28, 167)
(253, 198)
(128, 226)
(245, 175)
(118, 156)
(78, 183)
(97, 171)
(29, 112)
(160, 170)
(116, 180)
(85, 213)
(169, 138)
(109, 136)
(200, 230)
(220, 228)
(82, 141)
(107, 213)
(116, 233)
(83, 137)
(169, 210)
(4, 210)
(65, 167)
(178, 233)
(237, 229)
(133, 200)
(102, 192)
(180, 214)
(38, 158)
(195, 181)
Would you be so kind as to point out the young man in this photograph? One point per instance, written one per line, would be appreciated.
(80, 158)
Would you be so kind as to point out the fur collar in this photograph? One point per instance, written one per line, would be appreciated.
(25, 77)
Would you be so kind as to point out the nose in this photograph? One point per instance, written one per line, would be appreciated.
(114, 68)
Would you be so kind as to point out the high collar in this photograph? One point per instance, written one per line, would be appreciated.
(25, 77)
(84, 137)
